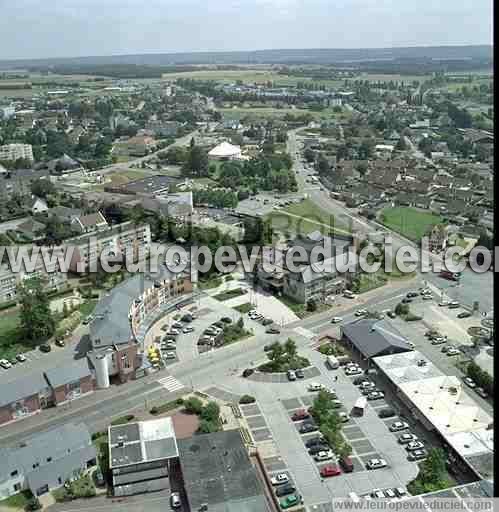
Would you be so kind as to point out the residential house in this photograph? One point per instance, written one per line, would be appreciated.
(438, 237)
(46, 460)
(89, 223)
(64, 214)
(139, 145)
(30, 229)
(36, 205)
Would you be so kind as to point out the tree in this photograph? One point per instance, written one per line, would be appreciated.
(309, 155)
(433, 469)
(42, 188)
(37, 322)
(207, 427)
(276, 354)
(193, 405)
(401, 144)
(196, 163)
(311, 305)
(290, 349)
(401, 309)
(211, 412)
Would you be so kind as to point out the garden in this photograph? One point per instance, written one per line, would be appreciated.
(283, 357)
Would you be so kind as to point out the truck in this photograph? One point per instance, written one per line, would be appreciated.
(360, 406)
(333, 362)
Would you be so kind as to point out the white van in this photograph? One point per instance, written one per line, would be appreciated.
(360, 406)
(333, 362)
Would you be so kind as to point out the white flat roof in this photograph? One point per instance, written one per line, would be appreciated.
(442, 400)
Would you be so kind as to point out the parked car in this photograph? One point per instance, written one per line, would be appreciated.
(300, 414)
(412, 295)
(359, 380)
(307, 427)
(452, 351)
(386, 413)
(343, 417)
(267, 321)
(400, 492)
(287, 488)
(175, 500)
(376, 464)
(438, 340)
(398, 426)
(376, 395)
(392, 314)
(169, 355)
(347, 464)
(315, 441)
(464, 314)
(406, 300)
(361, 312)
(414, 445)
(99, 478)
(315, 386)
(291, 375)
(279, 479)
(87, 320)
(226, 320)
(299, 373)
(5, 364)
(59, 342)
(330, 470)
(336, 319)
(188, 329)
(247, 372)
(314, 450)
(481, 392)
(378, 494)
(272, 330)
(469, 382)
(454, 304)
(290, 501)
(45, 347)
(353, 371)
(21, 358)
(443, 303)
(407, 438)
(390, 493)
(427, 297)
(323, 455)
(367, 384)
(417, 455)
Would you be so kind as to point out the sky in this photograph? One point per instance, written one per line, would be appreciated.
(73, 28)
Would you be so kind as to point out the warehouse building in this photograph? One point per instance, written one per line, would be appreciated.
(441, 404)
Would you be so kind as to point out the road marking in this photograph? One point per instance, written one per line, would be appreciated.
(170, 383)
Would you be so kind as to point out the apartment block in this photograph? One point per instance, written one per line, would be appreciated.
(15, 151)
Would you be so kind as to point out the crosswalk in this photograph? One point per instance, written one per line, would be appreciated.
(170, 383)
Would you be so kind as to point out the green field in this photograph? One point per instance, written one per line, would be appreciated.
(304, 218)
(11, 343)
(409, 222)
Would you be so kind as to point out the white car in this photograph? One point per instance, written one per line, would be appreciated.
(279, 479)
(427, 297)
(367, 385)
(5, 364)
(376, 464)
(336, 319)
(414, 445)
(21, 358)
(321, 456)
(168, 346)
(343, 417)
(453, 351)
(378, 493)
(360, 312)
(376, 395)
(187, 329)
(407, 438)
(390, 493)
(169, 355)
(175, 500)
(353, 370)
(469, 382)
(443, 303)
(398, 426)
(315, 386)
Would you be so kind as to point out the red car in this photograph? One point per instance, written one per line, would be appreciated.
(301, 414)
(330, 470)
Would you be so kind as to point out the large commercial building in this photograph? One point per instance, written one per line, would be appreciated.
(441, 404)
(46, 460)
(140, 456)
(218, 474)
(14, 152)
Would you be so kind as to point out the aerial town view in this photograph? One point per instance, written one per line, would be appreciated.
(246, 256)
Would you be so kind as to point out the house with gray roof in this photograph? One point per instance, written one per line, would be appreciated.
(70, 381)
(372, 338)
(23, 397)
(46, 460)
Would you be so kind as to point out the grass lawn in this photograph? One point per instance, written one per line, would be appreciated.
(11, 342)
(244, 308)
(229, 294)
(409, 222)
(304, 218)
(19, 500)
(212, 282)
(87, 307)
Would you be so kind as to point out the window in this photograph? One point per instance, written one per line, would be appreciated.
(17, 487)
(14, 473)
(125, 361)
